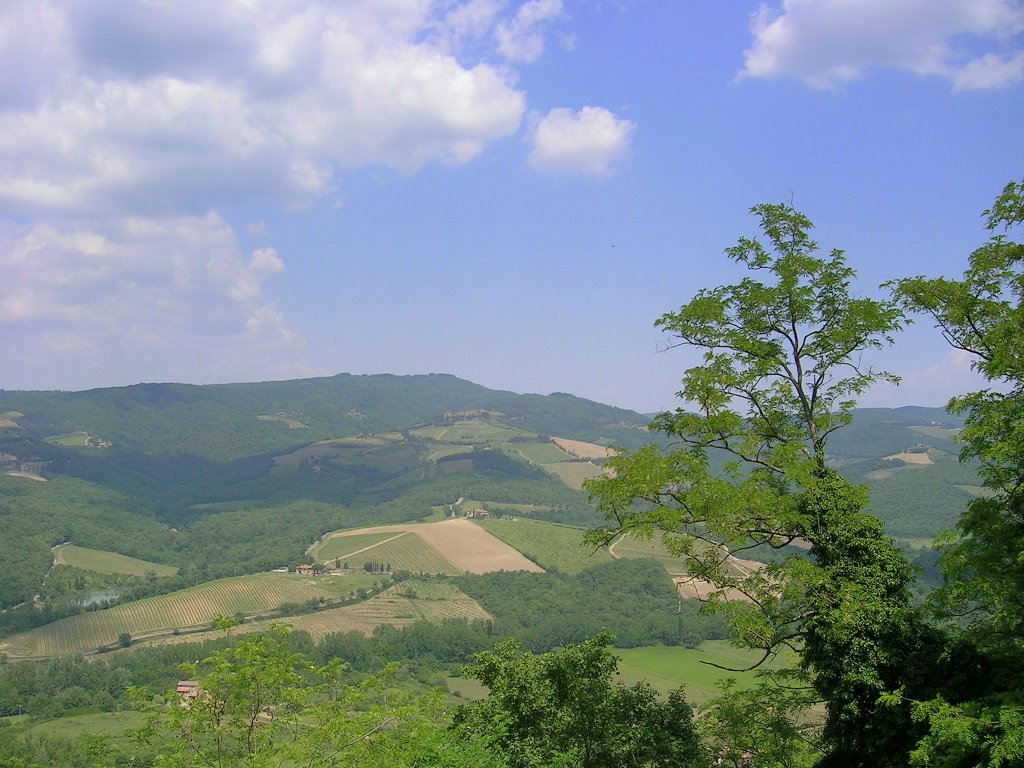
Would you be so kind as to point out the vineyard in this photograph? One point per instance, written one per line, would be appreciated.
(187, 608)
(403, 551)
(340, 547)
(404, 603)
(552, 546)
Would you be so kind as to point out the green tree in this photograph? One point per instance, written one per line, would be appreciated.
(983, 559)
(561, 709)
(261, 704)
(781, 371)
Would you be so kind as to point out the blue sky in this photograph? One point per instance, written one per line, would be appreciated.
(508, 191)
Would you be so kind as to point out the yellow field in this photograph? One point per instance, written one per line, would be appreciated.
(573, 473)
(582, 450)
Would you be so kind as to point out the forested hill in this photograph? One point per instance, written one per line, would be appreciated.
(230, 421)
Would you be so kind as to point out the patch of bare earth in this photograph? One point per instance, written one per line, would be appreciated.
(26, 475)
(582, 450)
(910, 458)
(465, 545)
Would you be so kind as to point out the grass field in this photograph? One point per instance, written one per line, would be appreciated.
(552, 546)
(186, 608)
(70, 439)
(573, 473)
(538, 453)
(105, 723)
(666, 668)
(107, 562)
(468, 431)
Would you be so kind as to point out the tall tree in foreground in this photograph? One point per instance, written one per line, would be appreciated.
(982, 723)
(782, 368)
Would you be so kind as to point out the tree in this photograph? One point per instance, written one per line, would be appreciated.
(562, 709)
(983, 559)
(781, 371)
(260, 703)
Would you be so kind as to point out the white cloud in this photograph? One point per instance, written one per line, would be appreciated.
(522, 38)
(827, 43)
(182, 107)
(138, 292)
(588, 141)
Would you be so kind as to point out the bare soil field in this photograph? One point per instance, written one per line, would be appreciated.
(910, 458)
(26, 475)
(582, 450)
(463, 544)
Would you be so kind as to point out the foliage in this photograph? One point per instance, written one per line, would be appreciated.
(562, 709)
(781, 371)
(983, 559)
(260, 703)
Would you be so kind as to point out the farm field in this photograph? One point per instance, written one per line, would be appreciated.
(403, 551)
(582, 450)
(70, 439)
(401, 604)
(101, 561)
(106, 723)
(668, 667)
(538, 453)
(464, 545)
(573, 473)
(188, 608)
(468, 431)
(338, 547)
(552, 546)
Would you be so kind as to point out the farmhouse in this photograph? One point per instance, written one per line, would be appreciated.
(188, 691)
(478, 514)
(304, 568)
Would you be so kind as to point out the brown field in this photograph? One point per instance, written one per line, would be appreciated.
(582, 450)
(573, 473)
(26, 475)
(910, 458)
(463, 544)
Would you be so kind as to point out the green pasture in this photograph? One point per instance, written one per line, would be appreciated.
(104, 723)
(574, 473)
(469, 432)
(668, 667)
(538, 453)
(552, 546)
(70, 439)
(100, 561)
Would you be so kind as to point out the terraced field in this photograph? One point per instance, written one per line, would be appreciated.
(187, 608)
(101, 561)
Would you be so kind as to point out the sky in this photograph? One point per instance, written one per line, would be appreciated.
(511, 192)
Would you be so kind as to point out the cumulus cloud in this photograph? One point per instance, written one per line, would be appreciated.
(175, 107)
(973, 43)
(136, 289)
(522, 38)
(587, 141)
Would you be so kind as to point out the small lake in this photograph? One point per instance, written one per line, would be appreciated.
(98, 596)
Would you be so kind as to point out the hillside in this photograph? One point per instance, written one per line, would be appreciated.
(222, 480)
